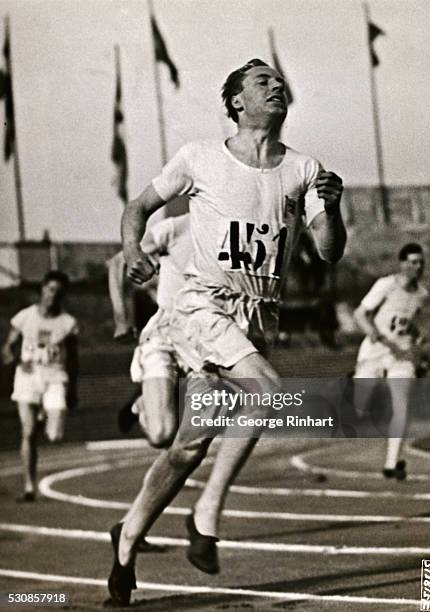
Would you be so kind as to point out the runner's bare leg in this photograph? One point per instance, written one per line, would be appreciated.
(171, 469)
(28, 417)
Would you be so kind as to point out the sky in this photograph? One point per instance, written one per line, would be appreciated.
(64, 83)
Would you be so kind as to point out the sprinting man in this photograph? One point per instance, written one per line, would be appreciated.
(388, 316)
(46, 374)
(247, 199)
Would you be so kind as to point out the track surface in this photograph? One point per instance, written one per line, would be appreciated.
(289, 541)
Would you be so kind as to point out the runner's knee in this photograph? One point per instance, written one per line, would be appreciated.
(54, 429)
(188, 453)
(54, 436)
(28, 430)
(161, 435)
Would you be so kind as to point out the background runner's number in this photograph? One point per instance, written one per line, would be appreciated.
(401, 326)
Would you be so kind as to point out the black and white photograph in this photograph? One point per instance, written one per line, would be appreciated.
(214, 305)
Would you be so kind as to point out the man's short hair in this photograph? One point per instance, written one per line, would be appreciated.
(233, 85)
(409, 249)
(56, 275)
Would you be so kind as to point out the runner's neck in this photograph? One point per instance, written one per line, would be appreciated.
(257, 148)
(408, 285)
(47, 312)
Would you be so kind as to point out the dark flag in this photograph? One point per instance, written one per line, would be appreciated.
(278, 67)
(161, 53)
(119, 151)
(7, 95)
(373, 32)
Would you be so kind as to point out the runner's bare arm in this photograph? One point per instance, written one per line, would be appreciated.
(327, 228)
(8, 352)
(134, 219)
(365, 320)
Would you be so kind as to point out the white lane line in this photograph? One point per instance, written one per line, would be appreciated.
(417, 452)
(299, 463)
(239, 514)
(45, 485)
(46, 488)
(180, 588)
(330, 518)
(47, 465)
(286, 491)
(328, 549)
(116, 444)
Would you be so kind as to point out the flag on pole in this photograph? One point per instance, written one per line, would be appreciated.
(7, 95)
(161, 53)
(373, 32)
(119, 151)
(278, 67)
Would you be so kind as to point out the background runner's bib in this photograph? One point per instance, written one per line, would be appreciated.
(43, 338)
(396, 313)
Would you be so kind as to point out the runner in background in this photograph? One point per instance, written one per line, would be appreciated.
(388, 316)
(46, 374)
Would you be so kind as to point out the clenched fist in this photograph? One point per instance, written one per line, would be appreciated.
(140, 267)
(329, 188)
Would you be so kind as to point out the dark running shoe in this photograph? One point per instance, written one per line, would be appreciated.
(399, 472)
(122, 579)
(26, 498)
(202, 551)
(126, 418)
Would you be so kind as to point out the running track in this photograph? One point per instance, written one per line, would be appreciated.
(288, 540)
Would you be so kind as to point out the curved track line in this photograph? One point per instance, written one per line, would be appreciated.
(46, 488)
(417, 452)
(46, 482)
(179, 588)
(48, 465)
(300, 464)
(285, 491)
(327, 549)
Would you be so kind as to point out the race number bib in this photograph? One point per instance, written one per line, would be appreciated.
(256, 248)
(401, 326)
(251, 248)
(46, 352)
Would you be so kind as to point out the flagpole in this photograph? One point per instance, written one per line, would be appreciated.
(18, 189)
(119, 149)
(383, 193)
(159, 96)
(15, 154)
(117, 63)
